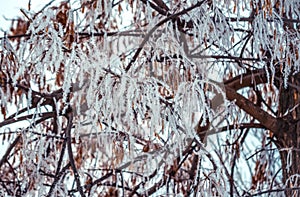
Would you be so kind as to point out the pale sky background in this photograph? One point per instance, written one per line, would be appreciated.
(11, 8)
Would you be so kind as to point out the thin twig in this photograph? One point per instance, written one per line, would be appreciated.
(145, 40)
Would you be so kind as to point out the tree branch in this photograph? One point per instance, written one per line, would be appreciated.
(171, 17)
(161, 10)
(18, 138)
(240, 127)
(276, 125)
(71, 156)
(275, 191)
(200, 56)
(12, 120)
(248, 79)
(57, 177)
(12, 145)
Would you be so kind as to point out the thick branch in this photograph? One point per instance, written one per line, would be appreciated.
(248, 79)
(276, 125)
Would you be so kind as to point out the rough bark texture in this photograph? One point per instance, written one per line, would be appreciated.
(290, 141)
(285, 127)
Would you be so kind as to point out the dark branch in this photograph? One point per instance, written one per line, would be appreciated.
(145, 40)
(71, 156)
(277, 125)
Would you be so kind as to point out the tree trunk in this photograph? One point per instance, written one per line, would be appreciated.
(289, 144)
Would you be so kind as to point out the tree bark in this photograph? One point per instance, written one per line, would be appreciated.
(289, 143)
(285, 127)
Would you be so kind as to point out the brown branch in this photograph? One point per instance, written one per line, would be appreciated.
(28, 117)
(57, 177)
(145, 40)
(275, 190)
(134, 191)
(16, 36)
(174, 169)
(161, 10)
(45, 116)
(261, 150)
(161, 4)
(133, 33)
(247, 79)
(115, 185)
(182, 23)
(199, 56)
(12, 145)
(231, 86)
(155, 187)
(62, 153)
(276, 125)
(250, 19)
(230, 180)
(43, 8)
(239, 127)
(98, 181)
(71, 156)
